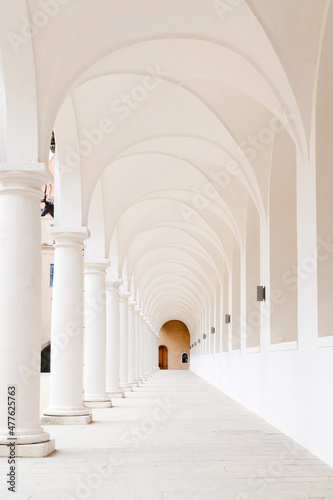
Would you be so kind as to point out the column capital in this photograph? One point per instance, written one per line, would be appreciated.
(66, 236)
(14, 178)
(142, 314)
(96, 267)
(132, 304)
(113, 285)
(124, 296)
(22, 167)
(137, 309)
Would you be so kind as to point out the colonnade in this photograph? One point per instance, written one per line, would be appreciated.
(119, 347)
(102, 344)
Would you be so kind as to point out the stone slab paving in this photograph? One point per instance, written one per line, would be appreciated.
(174, 438)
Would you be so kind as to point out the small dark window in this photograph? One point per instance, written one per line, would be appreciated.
(51, 274)
(45, 359)
(184, 358)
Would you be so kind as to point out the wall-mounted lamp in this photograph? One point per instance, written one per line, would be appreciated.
(199, 340)
(227, 318)
(195, 343)
(204, 335)
(212, 330)
(261, 293)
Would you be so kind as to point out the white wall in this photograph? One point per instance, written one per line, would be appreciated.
(289, 389)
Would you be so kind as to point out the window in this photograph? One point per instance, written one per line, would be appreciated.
(184, 358)
(51, 274)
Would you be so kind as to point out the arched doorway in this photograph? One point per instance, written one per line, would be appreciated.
(45, 359)
(163, 357)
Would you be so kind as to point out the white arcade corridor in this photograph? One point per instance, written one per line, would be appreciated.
(166, 201)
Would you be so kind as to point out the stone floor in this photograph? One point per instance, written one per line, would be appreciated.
(175, 438)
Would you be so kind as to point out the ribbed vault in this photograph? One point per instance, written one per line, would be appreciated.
(166, 132)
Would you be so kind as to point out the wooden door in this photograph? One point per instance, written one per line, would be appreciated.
(163, 357)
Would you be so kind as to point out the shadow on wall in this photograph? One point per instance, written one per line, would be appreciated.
(174, 346)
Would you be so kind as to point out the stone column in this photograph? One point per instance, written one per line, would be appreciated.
(149, 349)
(153, 352)
(123, 323)
(146, 348)
(137, 311)
(150, 371)
(113, 340)
(131, 345)
(142, 347)
(20, 310)
(66, 388)
(152, 337)
(95, 336)
(156, 353)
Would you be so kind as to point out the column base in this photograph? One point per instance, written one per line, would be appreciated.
(134, 385)
(126, 388)
(66, 416)
(30, 450)
(115, 394)
(66, 411)
(98, 404)
(138, 383)
(66, 420)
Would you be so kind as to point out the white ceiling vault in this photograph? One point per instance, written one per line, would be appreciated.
(166, 115)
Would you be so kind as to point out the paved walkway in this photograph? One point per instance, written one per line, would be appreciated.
(175, 438)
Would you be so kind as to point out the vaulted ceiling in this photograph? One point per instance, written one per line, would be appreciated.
(166, 115)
